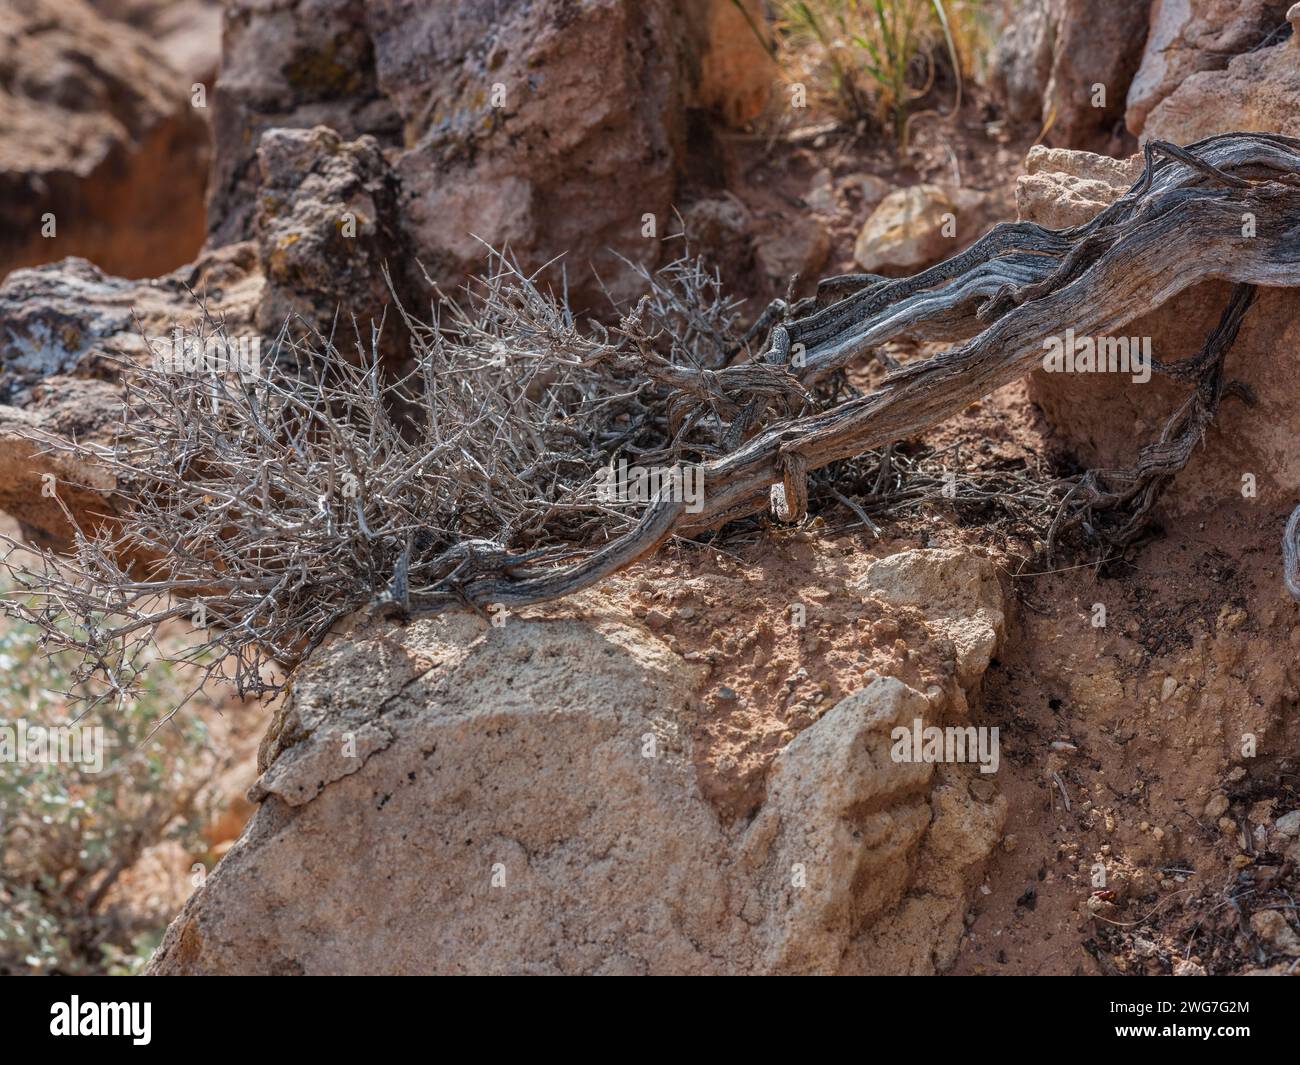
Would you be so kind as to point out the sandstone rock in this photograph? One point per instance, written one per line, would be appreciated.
(1061, 188)
(86, 408)
(1103, 419)
(1052, 55)
(1189, 36)
(99, 133)
(518, 123)
(839, 813)
(958, 593)
(1098, 43)
(917, 226)
(1021, 62)
(1289, 824)
(1258, 91)
(451, 796)
(1273, 929)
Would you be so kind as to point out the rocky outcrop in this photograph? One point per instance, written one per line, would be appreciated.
(1190, 36)
(959, 595)
(1067, 65)
(1103, 418)
(1259, 91)
(327, 229)
(520, 124)
(186, 32)
(65, 324)
(459, 796)
(106, 157)
(1061, 188)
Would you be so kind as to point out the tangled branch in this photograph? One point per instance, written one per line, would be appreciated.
(279, 501)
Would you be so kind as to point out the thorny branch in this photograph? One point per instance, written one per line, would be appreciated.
(325, 484)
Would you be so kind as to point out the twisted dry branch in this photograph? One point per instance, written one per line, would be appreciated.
(322, 486)
(1181, 224)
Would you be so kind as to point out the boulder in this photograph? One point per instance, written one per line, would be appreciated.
(1066, 65)
(1102, 419)
(959, 595)
(1257, 92)
(187, 32)
(523, 124)
(1020, 65)
(105, 156)
(914, 227)
(454, 796)
(1062, 188)
(1190, 36)
(1098, 49)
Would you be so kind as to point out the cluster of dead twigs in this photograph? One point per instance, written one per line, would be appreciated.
(277, 502)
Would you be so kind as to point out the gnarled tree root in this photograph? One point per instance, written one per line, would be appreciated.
(1179, 225)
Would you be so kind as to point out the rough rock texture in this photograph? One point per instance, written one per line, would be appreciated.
(1103, 419)
(913, 227)
(97, 130)
(959, 595)
(61, 322)
(1098, 42)
(326, 229)
(1189, 36)
(1021, 63)
(1061, 188)
(457, 797)
(537, 125)
(1258, 92)
(1052, 53)
(187, 32)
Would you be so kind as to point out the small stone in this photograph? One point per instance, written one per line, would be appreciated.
(1216, 807)
(727, 695)
(1288, 824)
(1143, 948)
(1167, 689)
(1187, 967)
(656, 620)
(1273, 929)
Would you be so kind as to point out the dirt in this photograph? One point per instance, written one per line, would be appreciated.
(1116, 738)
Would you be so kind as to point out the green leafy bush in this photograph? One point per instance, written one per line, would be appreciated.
(67, 834)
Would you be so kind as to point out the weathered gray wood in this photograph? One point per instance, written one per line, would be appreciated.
(1179, 225)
